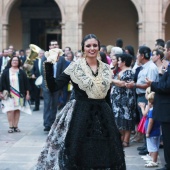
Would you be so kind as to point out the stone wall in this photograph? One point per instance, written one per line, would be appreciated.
(151, 21)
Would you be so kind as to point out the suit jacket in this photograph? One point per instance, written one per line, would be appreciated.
(23, 58)
(161, 107)
(35, 69)
(1, 60)
(61, 66)
(23, 82)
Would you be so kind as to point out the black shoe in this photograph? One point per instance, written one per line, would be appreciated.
(36, 109)
(47, 129)
(141, 148)
(143, 152)
(60, 106)
(161, 146)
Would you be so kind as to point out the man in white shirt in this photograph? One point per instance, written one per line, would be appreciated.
(36, 72)
(148, 69)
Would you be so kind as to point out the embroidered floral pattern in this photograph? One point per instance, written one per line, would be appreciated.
(95, 87)
(50, 157)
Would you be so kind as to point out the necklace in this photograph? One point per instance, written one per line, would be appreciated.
(94, 73)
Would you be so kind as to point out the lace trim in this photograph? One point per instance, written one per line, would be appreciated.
(95, 87)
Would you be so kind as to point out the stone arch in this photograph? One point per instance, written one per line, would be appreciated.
(81, 10)
(166, 20)
(7, 10)
(139, 10)
(10, 4)
(109, 15)
(135, 2)
(165, 7)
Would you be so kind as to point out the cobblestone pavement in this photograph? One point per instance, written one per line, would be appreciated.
(19, 151)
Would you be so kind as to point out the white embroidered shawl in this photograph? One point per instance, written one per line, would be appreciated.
(95, 87)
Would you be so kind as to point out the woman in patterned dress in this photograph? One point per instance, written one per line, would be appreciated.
(123, 99)
(84, 135)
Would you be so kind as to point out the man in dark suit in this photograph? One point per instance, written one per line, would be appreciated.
(36, 72)
(50, 99)
(22, 56)
(161, 107)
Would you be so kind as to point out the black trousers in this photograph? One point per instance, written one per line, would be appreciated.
(36, 95)
(166, 142)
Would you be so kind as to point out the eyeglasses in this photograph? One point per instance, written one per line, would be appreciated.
(54, 44)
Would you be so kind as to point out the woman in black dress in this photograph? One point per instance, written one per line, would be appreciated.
(84, 135)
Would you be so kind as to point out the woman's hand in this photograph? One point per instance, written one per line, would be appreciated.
(1, 96)
(147, 135)
(118, 83)
(141, 104)
(148, 81)
(27, 97)
(130, 85)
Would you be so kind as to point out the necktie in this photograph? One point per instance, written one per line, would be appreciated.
(39, 65)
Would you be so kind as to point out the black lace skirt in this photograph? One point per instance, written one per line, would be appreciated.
(93, 140)
(83, 137)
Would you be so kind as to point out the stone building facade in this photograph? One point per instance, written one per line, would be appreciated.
(137, 22)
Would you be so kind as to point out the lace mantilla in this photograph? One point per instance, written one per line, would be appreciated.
(95, 87)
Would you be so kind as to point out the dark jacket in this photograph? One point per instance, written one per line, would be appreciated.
(23, 82)
(35, 69)
(161, 107)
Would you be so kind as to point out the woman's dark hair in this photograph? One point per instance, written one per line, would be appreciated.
(89, 36)
(103, 57)
(127, 58)
(132, 53)
(130, 50)
(119, 42)
(19, 61)
(160, 42)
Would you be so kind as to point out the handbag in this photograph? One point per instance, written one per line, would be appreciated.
(5, 94)
(141, 125)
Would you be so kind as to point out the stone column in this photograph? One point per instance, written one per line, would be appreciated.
(63, 35)
(152, 22)
(163, 30)
(5, 28)
(140, 33)
(80, 35)
(26, 32)
(71, 33)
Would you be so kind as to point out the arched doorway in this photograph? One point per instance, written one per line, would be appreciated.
(35, 22)
(111, 20)
(167, 27)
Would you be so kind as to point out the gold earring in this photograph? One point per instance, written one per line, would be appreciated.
(84, 55)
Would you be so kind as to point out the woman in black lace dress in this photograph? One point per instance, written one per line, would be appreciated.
(84, 135)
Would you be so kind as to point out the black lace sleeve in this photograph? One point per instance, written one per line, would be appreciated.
(50, 82)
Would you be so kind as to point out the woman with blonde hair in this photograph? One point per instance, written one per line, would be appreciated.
(152, 130)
